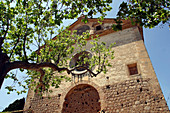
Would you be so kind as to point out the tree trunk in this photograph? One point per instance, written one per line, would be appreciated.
(3, 59)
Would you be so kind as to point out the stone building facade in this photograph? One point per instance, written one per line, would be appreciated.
(130, 85)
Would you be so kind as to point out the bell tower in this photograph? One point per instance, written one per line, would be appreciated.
(130, 85)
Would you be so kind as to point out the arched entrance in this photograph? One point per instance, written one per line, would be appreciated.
(82, 98)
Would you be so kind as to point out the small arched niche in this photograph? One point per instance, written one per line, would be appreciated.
(82, 98)
(82, 29)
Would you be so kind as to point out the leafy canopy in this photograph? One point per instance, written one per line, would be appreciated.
(147, 13)
(29, 25)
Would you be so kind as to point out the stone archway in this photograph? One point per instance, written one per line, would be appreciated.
(82, 98)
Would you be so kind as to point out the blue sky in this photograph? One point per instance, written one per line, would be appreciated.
(157, 42)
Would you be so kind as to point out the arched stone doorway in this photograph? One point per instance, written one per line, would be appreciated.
(82, 98)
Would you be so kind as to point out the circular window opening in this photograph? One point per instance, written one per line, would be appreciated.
(80, 60)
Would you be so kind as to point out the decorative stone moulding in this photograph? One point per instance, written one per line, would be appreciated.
(75, 59)
(81, 72)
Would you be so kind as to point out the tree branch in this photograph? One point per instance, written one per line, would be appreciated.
(30, 66)
(25, 55)
(1, 42)
(89, 70)
(39, 67)
(2, 38)
(14, 45)
(7, 28)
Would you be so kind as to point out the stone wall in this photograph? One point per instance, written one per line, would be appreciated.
(44, 105)
(117, 89)
(128, 96)
(133, 96)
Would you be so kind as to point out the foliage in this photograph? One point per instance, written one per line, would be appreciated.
(25, 22)
(147, 13)
(29, 25)
(16, 105)
(65, 45)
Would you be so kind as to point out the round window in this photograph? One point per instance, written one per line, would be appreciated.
(79, 60)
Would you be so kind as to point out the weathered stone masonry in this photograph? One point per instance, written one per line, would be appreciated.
(118, 91)
(133, 96)
(45, 105)
(82, 98)
(126, 97)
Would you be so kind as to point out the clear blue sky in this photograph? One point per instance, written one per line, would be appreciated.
(157, 42)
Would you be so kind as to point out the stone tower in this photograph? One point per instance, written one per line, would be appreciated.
(130, 85)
